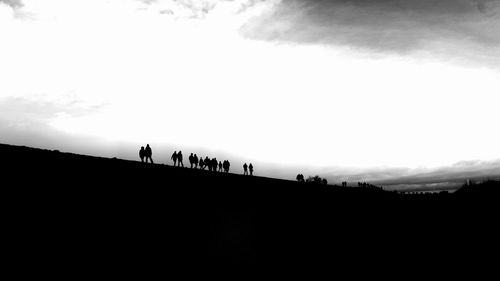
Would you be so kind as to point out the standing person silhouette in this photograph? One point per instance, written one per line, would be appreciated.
(214, 164)
(208, 163)
(191, 160)
(148, 153)
(202, 165)
(142, 153)
(220, 166)
(174, 158)
(195, 160)
(245, 169)
(179, 158)
(250, 167)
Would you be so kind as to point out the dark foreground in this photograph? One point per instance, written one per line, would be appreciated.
(78, 212)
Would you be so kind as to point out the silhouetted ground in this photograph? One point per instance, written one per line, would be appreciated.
(70, 210)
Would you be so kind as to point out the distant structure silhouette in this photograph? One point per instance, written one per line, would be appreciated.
(250, 168)
(245, 169)
(142, 153)
(368, 186)
(179, 159)
(148, 153)
(174, 158)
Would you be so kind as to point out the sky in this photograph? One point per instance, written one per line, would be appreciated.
(357, 90)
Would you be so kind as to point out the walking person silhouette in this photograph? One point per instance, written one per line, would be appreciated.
(195, 160)
(245, 169)
(142, 153)
(214, 164)
(208, 163)
(191, 160)
(174, 158)
(250, 167)
(148, 153)
(179, 159)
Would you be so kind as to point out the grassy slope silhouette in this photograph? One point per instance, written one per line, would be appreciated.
(117, 210)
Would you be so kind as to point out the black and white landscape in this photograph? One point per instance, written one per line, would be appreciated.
(391, 104)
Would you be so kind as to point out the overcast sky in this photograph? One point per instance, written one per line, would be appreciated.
(342, 88)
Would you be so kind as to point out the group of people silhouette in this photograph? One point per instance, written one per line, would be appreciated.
(177, 158)
(247, 168)
(194, 161)
(146, 153)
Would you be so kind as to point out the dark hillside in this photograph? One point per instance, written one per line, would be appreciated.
(72, 209)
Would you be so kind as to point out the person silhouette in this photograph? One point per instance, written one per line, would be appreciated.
(214, 164)
(174, 158)
(191, 160)
(207, 163)
(228, 166)
(220, 166)
(245, 169)
(250, 167)
(195, 160)
(179, 159)
(142, 153)
(202, 164)
(148, 153)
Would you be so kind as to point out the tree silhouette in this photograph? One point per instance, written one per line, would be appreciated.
(300, 178)
(316, 180)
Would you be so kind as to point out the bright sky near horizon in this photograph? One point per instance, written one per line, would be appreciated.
(279, 82)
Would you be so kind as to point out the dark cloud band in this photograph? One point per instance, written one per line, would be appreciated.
(399, 26)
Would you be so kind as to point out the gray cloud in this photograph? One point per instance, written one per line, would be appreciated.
(399, 26)
(12, 3)
(26, 121)
(441, 178)
(21, 114)
(451, 176)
